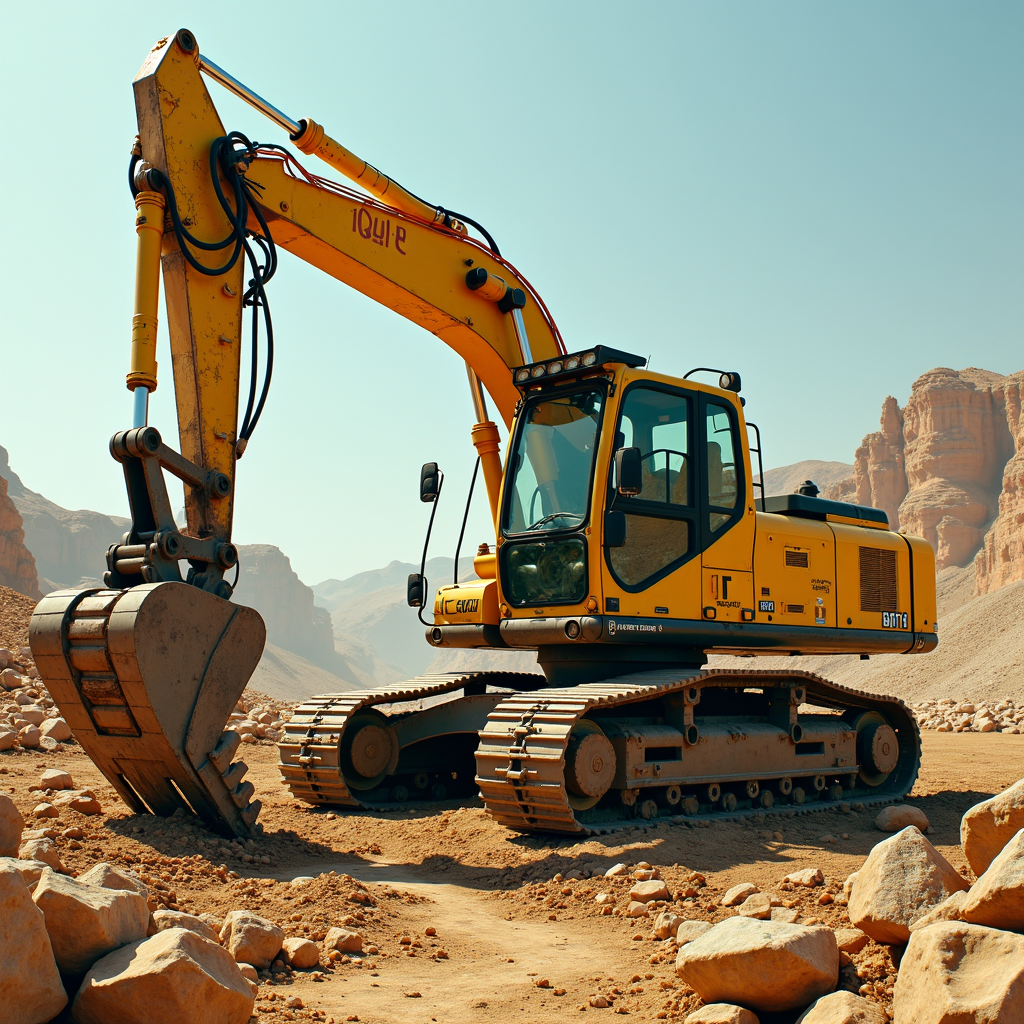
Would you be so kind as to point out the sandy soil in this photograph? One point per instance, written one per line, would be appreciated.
(503, 924)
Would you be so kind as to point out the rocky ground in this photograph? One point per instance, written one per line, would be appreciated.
(460, 920)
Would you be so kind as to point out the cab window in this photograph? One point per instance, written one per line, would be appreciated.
(661, 519)
(721, 492)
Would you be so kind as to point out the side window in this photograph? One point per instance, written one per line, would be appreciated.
(722, 480)
(661, 519)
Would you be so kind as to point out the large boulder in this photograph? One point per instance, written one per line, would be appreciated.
(764, 965)
(42, 849)
(251, 939)
(109, 877)
(843, 1008)
(172, 977)
(954, 972)
(163, 920)
(11, 826)
(997, 898)
(987, 827)
(85, 922)
(30, 987)
(903, 877)
(300, 953)
(948, 910)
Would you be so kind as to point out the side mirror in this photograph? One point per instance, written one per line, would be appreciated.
(414, 590)
(430, 483)
(628, 472)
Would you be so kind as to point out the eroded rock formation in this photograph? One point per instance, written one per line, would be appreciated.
(1001, 560)
(17, 566)
(949, 466)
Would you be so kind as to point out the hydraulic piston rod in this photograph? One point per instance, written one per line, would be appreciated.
(311, 138)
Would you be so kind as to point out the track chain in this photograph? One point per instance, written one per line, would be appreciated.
(521, 756)
(310, 751)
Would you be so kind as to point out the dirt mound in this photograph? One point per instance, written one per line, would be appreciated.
(15, 611)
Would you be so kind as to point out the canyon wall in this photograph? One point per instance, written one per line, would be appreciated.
(17, 566)
(949, 466)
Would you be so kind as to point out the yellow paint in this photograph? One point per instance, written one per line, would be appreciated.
(149, 228)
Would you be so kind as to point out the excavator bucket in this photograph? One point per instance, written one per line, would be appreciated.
(146, 678)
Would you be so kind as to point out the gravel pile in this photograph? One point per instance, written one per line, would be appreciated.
(948, 715)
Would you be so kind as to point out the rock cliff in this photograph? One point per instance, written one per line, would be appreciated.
(69, 546)
(949, 466)
(1001, 559)
(17, 566)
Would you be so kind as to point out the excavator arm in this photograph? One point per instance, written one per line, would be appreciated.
(416, 259)
(148, 670)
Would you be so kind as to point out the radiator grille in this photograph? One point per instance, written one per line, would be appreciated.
(796, 559)
(877, 580)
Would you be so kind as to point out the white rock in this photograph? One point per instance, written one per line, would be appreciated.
(843, 1008)
(85, 922)
(30, 987)
(666, 924)
(738, 893)
(636, 909)
(55, 778)
(721, 1013)
(56, 729)
(176, 976)
(343, 940)
(988, 826)
(809, 877)
(300, 953)
(902, 879)
(615, 870)
(109, 877)
(44, 850)
(163, 920)
(899, 816)
(690, 930)
(251, 939)
(954, 972)
(11, 826)
(763, 965)
(647, 892)
(997, 898)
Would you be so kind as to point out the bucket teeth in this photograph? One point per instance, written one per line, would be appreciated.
(234, 775)
(147, 677)
(243, 793)
(251, 811)
(221, 755)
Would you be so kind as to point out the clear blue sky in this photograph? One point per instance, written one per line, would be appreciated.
(824, 196)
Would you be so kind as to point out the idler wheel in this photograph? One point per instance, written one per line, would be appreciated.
(369, 751)
(878, 748)
(589, 765)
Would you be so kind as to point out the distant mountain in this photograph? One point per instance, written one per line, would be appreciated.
(371, 608)
(786, 479)
(70, 547)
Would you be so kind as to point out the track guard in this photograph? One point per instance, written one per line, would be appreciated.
(146, 678)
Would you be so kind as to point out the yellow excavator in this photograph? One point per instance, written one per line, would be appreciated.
(628, 541)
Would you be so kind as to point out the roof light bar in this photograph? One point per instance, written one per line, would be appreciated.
(572, 365)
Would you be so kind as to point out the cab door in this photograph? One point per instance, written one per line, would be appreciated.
(726, 519)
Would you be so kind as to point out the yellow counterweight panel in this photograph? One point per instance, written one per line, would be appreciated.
(417, 270)
(873, 579)
(177, 125)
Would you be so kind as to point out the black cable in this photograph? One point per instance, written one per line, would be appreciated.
(465, 516)
(483, 231)
(230, 157)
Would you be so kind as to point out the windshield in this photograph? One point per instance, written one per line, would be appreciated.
(552, 463)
